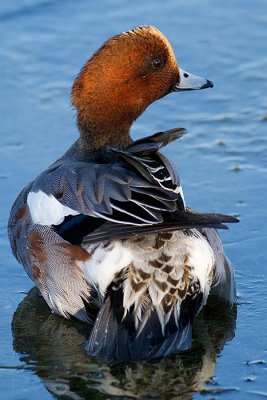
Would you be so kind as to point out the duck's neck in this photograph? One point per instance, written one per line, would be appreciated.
(94, 137)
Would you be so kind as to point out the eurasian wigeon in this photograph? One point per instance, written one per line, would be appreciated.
(106, 227)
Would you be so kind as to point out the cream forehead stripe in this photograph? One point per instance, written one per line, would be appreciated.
(47, 210)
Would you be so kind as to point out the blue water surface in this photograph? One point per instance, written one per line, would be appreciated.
(222, 162)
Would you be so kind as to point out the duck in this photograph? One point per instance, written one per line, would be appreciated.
(104, 232)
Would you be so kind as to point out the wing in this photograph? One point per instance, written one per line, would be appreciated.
(178, 220)
(134, 190)
(139, 192)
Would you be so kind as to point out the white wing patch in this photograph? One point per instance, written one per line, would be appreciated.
(47, 210)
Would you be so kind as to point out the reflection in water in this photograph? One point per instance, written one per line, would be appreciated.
(51, 347)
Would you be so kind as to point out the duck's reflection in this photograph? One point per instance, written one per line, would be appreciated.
(52, 347)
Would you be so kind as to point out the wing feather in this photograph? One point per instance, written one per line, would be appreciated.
(135, 191)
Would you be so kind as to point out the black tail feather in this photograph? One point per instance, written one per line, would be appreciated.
(115, 338)
(176, 221)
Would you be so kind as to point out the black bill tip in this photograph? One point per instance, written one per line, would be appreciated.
(208, 84)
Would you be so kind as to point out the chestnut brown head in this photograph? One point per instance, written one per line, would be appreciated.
(129, 72)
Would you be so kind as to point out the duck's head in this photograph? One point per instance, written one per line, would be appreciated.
(129, 72)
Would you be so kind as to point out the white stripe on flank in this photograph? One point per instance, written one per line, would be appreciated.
(47, 210)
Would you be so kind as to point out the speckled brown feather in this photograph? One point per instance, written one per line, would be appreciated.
(150, 305)
(162, 275)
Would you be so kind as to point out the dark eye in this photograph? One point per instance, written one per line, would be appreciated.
(157, 63)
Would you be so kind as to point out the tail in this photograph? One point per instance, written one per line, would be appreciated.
(115, 337)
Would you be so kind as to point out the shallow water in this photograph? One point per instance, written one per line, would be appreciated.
(222, 163)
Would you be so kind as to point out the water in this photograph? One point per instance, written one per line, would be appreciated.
(222, 162)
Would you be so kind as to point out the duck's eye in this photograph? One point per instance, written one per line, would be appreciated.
(157, 63)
